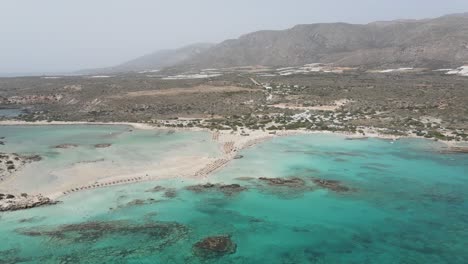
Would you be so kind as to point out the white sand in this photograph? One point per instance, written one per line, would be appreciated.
(98, 174)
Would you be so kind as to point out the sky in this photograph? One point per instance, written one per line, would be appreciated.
(44, 36)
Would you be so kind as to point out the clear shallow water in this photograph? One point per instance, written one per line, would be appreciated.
(408, 205)
(129, 149)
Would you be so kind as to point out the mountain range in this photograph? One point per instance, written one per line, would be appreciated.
(433, 43)
(154, 61)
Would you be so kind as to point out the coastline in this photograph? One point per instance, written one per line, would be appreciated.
(229, 142)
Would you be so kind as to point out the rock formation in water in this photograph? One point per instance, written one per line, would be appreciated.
(229, 189)
(331, 185)
(287, 182)
(103, 145)
(170, 193)
(156, 189)
(215, 246)
(66, 146)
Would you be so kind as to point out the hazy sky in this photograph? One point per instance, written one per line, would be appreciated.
(67, 35)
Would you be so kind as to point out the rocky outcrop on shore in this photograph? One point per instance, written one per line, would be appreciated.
(12, 162)
(11, 202)
(215, 246)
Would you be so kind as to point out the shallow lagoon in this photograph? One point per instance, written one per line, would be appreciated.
(406, 204)
(10, 112)
(129, 150)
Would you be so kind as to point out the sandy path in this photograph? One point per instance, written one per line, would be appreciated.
(180, 91)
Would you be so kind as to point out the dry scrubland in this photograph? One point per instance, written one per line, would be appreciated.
(425, 103)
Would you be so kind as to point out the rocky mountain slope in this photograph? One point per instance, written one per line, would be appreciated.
(440, 42)
(154, 61)
(434, 43)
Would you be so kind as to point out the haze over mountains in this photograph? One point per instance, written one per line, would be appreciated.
(434, 43)
(157, 60)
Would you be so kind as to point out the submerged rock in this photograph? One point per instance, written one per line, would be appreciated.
(200, 187)
(214, 247)
(238, 157)
(156, 189)
(285, 188)
(288, 182)
(170, 193)
(102, 145)
(331, 185)
(31, 219)
(158, 234)
(66, 146)
(228, 189)
(136, 202)
(357, 138)
(245, 178)
(231, 189)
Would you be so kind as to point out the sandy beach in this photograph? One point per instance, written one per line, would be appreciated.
(99, 174)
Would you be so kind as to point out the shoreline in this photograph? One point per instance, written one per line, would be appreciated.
(66, 123)
(370, 132)
(229, 142)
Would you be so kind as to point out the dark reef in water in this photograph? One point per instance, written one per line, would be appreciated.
(12, 256)
(31, 219)
(287, 182)
(294, 187)
(103, 145)
(157, 233)
(332, 185)
(170, 193)
(142, 202)
(287, 188)
(66, 146)
(228, 190)
(214, 247)
(156, 189)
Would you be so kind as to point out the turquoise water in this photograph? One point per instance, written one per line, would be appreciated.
(130, 149)
(405, 204)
